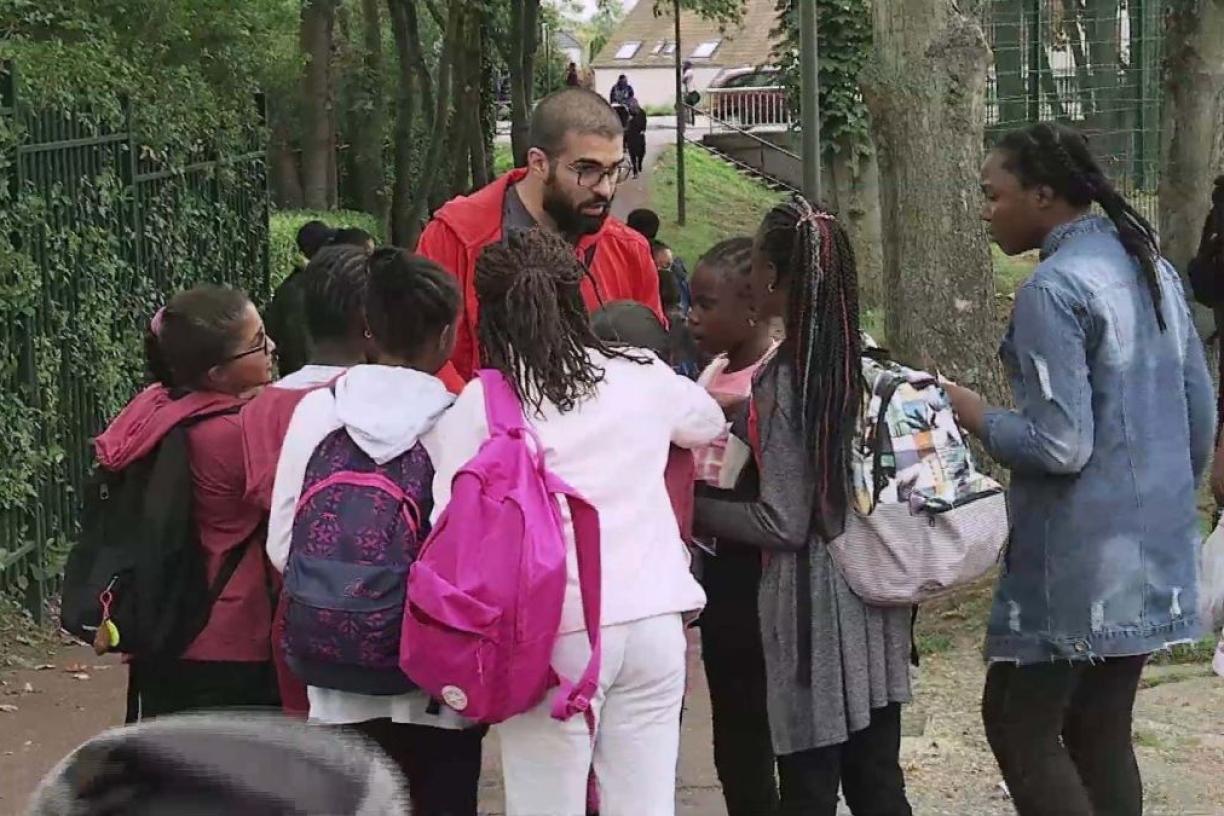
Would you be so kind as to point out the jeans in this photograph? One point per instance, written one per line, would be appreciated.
(1061, 733)
(441, 766)
(735, 671)
(867, 766)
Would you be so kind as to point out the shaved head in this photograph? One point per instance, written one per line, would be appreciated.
(574, 111)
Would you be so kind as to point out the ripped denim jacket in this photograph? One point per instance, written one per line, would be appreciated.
(1111, 433)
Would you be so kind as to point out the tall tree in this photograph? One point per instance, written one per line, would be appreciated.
(318, 99)
(523, 43)
(1193, 123)
(366, 113)
(926, 88)
(412, 80)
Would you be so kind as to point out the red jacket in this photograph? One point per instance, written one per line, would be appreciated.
(622, 270)
(239, 627)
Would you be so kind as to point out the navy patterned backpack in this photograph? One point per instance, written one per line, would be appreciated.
(357, 530)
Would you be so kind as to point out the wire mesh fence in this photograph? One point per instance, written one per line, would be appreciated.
(1094, 64)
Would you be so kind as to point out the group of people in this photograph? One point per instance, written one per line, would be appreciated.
(633, 119)
(1110, 433)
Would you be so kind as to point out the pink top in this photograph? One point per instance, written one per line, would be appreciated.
(728, 388)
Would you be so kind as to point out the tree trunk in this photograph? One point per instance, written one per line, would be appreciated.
(852, 189)
(524, 22)
(404, 28)
(285, 178)
(441, 124)
(1193, 125)
(1107, 124)
(368, 118)
(926, 90)
(318, 134)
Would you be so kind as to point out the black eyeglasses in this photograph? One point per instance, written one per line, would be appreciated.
(589, 175)
(262, 348)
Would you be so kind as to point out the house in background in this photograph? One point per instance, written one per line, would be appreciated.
(570, 47)
(644, 49)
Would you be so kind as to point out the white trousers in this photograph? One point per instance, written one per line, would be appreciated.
(637, 737)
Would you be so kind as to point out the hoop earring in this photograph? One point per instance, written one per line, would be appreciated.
(773, 287)
(752, 322)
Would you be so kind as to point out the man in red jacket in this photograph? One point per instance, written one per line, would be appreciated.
(576, 161)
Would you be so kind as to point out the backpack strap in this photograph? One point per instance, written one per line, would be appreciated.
(229, 566)
(574, 697)
(502, 407)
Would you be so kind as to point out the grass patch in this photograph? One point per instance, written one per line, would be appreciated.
(1201, 651)
(721, 203)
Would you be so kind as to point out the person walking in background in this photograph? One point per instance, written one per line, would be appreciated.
(333, 286)
(574, 166)
(635, 135)
(374, 415)
(1109, 379)
(605, 418)
(837, 670)
(207, 353)
(724, 326)
(571, 76)
(621, 92)
(673, 289)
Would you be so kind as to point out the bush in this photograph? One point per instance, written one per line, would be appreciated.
(284, 226)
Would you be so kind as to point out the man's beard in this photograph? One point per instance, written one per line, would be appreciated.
(569, 218)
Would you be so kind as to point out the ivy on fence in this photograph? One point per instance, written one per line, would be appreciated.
(98, 225)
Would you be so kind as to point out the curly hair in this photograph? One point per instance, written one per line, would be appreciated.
(409, 301)
(533, 325)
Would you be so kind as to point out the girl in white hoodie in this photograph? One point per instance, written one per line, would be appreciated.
(385, 407)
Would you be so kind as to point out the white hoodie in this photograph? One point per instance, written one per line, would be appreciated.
(385, 410)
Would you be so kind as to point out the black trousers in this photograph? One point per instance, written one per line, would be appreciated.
(1061, 733)
(175, 686)
(867, 766)
(442, 766)
(735, 670)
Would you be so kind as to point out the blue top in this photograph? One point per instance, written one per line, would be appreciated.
(1112, 433)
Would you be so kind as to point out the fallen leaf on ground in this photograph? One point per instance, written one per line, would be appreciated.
(80, 676)
(29, 688)
(73, 668)
(44, 667)
(7, 709)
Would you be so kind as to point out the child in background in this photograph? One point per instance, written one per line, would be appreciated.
(333, 288)
(723, 323)
(207, 352)
(672, 294)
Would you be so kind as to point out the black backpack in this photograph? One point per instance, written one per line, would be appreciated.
(136, 581)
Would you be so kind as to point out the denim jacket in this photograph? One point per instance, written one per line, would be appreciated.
(1112, 432)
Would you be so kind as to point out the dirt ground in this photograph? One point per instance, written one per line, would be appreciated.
(54, 695)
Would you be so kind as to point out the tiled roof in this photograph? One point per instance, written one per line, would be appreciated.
(746, 43)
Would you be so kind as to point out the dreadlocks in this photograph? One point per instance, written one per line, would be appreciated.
(813, 258)
(1057, 156)
(533, 325)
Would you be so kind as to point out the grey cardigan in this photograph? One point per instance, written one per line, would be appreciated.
(859, 654)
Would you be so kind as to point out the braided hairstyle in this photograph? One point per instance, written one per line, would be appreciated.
(811, 252)
(533, 325)
(1058, 157)
(730, 256)
(409, 301)
(333, 288)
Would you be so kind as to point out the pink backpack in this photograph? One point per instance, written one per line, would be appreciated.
(485, 593)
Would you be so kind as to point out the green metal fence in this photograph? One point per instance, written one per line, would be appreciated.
(1094, 64)
(159, 223)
